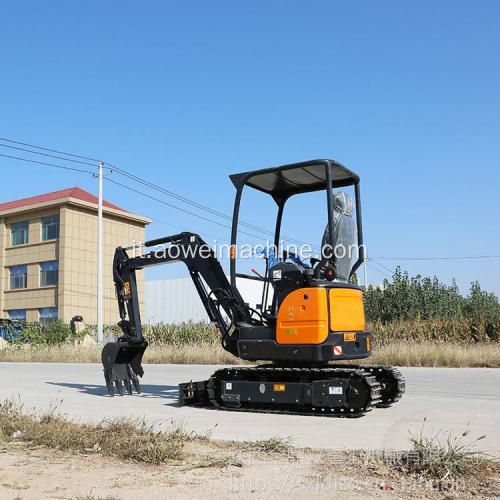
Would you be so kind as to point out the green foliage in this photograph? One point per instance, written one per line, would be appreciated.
(109, 331)
(50, 333)
(420, 298)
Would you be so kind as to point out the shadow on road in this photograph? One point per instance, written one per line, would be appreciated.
(155, 391)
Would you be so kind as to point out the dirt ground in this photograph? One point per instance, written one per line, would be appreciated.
(218, 471)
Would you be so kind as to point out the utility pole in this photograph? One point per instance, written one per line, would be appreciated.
(100, 335)
(366, 278)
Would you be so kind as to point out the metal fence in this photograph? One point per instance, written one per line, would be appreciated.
(174, 301)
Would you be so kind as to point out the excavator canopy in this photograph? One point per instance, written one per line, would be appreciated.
(287, 180)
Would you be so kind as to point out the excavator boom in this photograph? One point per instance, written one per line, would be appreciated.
(122, 360)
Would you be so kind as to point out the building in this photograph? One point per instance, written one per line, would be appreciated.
(48, 256)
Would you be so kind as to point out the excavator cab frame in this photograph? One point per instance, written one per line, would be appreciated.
(283, 182)
(297, 178)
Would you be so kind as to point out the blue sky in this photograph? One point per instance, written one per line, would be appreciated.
(184, 94)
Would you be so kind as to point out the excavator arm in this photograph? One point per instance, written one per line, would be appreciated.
(223, 303)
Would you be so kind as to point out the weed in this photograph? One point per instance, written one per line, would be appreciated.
(207, 461)
(444, 455)
(124, 438)
(272, 445)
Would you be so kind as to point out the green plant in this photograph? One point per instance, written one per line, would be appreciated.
(50, 333)
(416, 299)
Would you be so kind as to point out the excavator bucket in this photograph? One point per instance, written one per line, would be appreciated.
(122, 362)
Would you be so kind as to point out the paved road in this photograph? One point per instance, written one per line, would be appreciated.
(450, 398)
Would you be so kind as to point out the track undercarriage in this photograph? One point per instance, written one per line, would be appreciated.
(334, 390)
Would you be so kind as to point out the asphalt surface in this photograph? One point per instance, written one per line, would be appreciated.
(451, 399)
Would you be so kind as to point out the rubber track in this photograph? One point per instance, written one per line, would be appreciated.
(393, 372)
(400, 384)
(297, 373)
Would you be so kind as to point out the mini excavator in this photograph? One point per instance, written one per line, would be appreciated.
(311, 316)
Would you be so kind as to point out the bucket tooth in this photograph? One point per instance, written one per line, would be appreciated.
(135, 382)
(119, 387)
(109, 383)
(128, 386)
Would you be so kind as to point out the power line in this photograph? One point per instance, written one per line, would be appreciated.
(51, 156)
(47, 164)
(380, 265)
(148, 184)
(217, 237)
(115, 182)
(169, 193)
(133, 177)
(187, 200)
(176, 207)
(377, 270)
(181, 228)
(48, 149)
(442, 258)
(196, 204)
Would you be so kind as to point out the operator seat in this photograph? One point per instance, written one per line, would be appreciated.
(343, 236)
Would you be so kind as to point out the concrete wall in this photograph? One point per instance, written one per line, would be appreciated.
(78, 263)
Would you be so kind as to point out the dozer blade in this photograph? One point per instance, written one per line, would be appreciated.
(122, 362)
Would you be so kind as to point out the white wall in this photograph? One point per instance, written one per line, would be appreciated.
(176, 300)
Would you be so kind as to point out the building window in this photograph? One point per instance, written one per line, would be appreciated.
(48, 314)
(19, 233)
(50, 228)
(18, 276)
(17, 314)
(49, 273)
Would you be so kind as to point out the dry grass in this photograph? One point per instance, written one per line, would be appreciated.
(274, 445)
(202, 354)
(91, 497)
(441, 458)
(189, 354)
(123, 438)
(64, 353)
(399, 353)
(444, 455)
(210, 461)
(483, 355)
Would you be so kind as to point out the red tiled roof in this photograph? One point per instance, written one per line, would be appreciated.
(74, 192)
